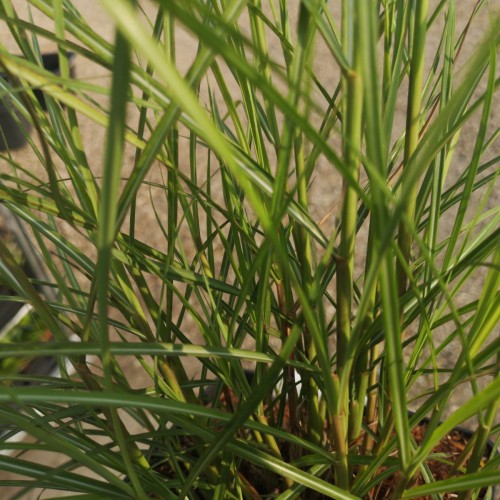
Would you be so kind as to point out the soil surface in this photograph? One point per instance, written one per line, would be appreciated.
(444, 467)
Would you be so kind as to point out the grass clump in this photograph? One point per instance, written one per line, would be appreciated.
(310, 195)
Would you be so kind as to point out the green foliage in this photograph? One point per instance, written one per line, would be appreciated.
(319, 191)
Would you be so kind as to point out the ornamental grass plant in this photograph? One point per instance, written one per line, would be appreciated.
(290, 257)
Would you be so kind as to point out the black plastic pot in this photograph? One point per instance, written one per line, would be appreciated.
(156, 458)
(51, 63)
(14, 128)
(11, 228)
(13, 312)
(12, 233)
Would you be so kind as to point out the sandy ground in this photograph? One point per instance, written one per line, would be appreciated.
(326, 189)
